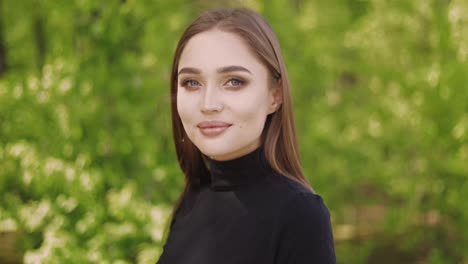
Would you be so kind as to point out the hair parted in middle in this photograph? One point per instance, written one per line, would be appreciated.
(279, 137)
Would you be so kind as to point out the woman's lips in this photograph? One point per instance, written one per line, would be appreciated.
(212, 128)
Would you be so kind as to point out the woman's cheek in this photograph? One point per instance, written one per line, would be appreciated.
(184, 110)
(249, 108)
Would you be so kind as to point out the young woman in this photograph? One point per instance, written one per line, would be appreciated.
(246, 199)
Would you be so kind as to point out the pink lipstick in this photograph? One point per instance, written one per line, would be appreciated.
(212, 128)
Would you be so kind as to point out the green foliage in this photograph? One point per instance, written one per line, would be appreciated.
(87, 164)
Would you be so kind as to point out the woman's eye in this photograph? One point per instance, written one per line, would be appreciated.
(235, 82)
(190, 84)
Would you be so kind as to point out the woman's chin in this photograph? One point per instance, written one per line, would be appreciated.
(216, 153)
(223, 152)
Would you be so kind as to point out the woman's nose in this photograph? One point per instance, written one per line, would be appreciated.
(211, 101)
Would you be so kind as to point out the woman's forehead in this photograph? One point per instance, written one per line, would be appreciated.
(215, 49)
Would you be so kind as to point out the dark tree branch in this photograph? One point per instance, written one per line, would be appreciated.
(3, 51)
(39, 37)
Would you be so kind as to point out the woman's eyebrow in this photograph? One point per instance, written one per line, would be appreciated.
(189, 70)
(231, 68)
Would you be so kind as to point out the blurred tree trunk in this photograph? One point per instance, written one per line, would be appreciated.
(39, 35)
(3, 52)
(9, 253)
(297, 4)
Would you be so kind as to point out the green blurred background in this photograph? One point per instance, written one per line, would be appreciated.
(88, 171)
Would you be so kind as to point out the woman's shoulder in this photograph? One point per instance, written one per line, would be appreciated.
(290, 187)
(295, 196)
(305, 228)
(300, 200)
(307, 205)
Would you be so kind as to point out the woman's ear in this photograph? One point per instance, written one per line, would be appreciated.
(276, 97)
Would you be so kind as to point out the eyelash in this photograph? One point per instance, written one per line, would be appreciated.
(240, 85)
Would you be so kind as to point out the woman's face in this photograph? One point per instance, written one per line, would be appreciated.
(223, 95)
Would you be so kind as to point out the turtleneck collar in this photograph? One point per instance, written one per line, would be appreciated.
(247, 169)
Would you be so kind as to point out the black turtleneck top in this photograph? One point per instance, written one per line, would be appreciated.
(249, 214)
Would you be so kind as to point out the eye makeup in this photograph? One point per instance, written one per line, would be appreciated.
(235, 83)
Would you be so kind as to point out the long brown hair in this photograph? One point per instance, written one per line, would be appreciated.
(279, 134)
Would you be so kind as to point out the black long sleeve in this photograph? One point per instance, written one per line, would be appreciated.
(249, 214)
(306, 235)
